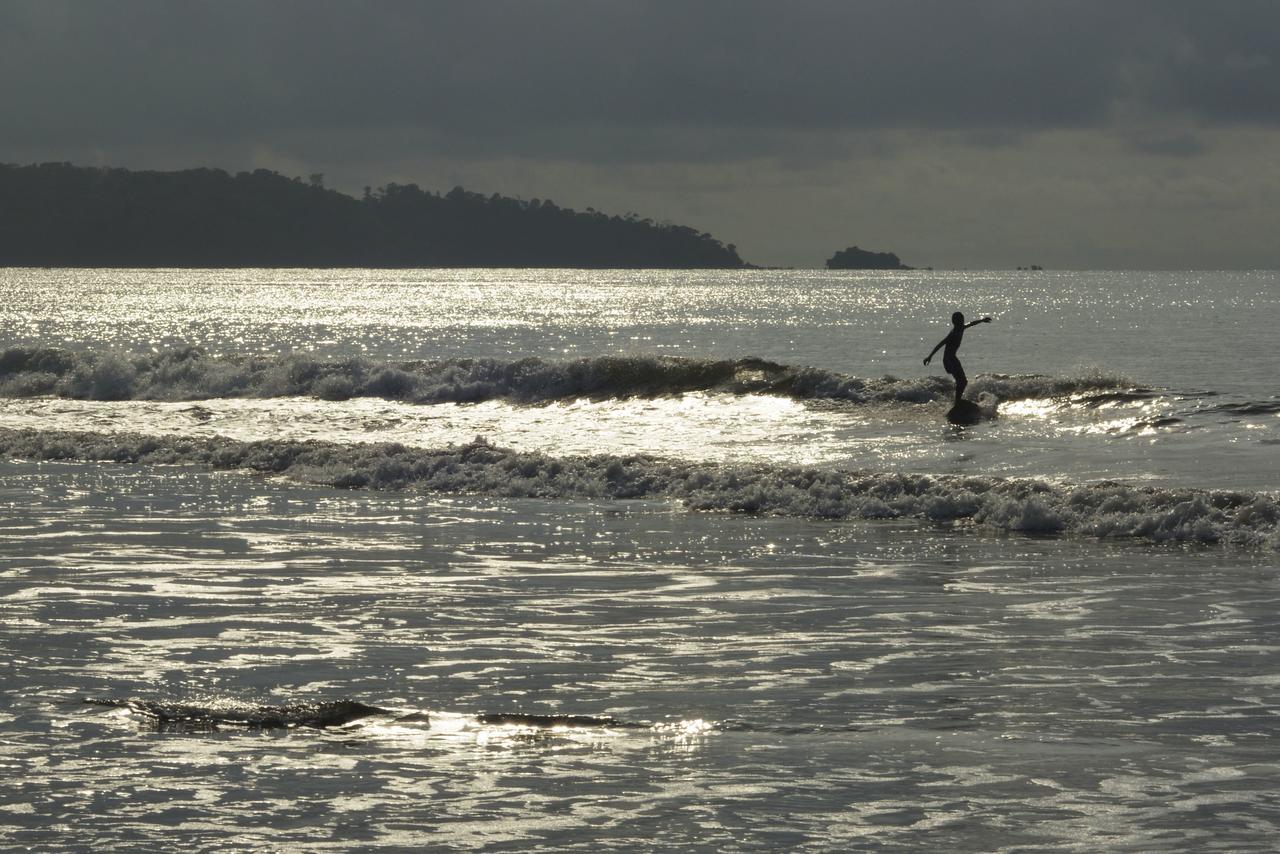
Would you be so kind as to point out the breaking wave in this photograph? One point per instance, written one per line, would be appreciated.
(1107, 509)
(188, 373)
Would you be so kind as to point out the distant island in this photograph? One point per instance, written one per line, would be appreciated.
(57, 214)
(854, 258)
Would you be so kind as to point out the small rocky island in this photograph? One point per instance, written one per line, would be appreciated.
(854, 258)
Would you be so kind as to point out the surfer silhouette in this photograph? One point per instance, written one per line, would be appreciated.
(952, 343)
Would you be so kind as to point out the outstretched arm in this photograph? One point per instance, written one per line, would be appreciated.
(935, 349)
(975, 323)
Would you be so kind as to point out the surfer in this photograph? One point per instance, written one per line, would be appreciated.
(952, 343)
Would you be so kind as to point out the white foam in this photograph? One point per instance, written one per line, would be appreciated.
(188, 373)
(1107, 510)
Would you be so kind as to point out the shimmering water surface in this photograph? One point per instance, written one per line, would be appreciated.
(752, 682)
(1154, 327)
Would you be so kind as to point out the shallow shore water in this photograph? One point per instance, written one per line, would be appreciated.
(794, 684)
(231, 622)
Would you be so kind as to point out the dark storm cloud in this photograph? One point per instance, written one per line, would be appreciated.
(554, 77)
(1215, 61)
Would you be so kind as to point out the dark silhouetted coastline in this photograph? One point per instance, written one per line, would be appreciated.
(58, 214)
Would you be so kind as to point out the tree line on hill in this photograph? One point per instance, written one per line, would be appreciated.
(57, 214)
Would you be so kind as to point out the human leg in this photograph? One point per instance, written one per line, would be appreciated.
(953, 367)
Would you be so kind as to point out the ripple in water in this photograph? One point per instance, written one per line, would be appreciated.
(615, 674)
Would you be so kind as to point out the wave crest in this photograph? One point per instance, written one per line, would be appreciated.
(188, 373)
(1109, 510)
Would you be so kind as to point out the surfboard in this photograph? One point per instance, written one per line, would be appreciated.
(966, 412)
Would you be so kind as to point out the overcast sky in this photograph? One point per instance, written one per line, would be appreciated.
(992, 133)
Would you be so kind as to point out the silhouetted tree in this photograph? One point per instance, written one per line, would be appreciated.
(56, 214)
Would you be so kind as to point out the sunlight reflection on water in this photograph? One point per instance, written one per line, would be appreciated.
(741, 682)
(783, 681)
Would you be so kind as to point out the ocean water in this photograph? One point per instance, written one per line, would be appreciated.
(561, 560)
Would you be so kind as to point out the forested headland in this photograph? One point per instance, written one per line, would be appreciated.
(57, 214)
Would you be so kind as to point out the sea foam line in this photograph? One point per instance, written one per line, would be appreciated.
(1107, 510)
(188, 373)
